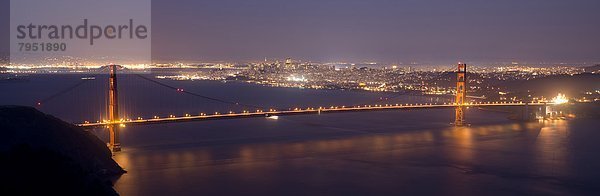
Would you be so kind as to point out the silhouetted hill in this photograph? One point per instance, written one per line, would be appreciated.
(592, 69)
(551, 85)
(43, 155)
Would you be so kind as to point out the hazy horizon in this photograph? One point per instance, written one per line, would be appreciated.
(431, 31)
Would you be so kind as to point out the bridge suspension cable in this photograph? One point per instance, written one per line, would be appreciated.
(405, 92)
(66, 90)
(381, 99)
(59, 93)
(198, 95)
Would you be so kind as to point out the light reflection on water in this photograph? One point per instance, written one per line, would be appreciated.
(551, 146)
(505, 158)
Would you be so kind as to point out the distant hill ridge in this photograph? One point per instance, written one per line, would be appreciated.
(551, 85)
(592, 69)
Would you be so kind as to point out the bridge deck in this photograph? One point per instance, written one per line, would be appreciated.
(261, 113)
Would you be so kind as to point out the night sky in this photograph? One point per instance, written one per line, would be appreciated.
(375, 30)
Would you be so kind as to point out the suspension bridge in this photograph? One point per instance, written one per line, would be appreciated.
(113, 122)
(273, 113)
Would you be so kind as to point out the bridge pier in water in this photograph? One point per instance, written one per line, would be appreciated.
(113, 111)
(530, 113)
(527, 114)
(461, 89)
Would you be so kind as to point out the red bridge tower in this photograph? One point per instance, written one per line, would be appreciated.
(113, 111)
(461, 93)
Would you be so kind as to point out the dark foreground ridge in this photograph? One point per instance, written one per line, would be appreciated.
(43, 155)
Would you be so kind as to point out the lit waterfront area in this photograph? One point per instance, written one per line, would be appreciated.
(501, 82)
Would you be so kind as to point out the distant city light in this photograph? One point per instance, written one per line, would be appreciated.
(297, 79)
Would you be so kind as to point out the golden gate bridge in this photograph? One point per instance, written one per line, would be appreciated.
(113, 122)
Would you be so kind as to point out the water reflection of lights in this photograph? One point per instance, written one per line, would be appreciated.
(455, 156)
(247, 154)
(463, 139)
(550, 148)
(123, 160)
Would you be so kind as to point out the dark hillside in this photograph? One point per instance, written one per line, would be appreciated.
(43, 155)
